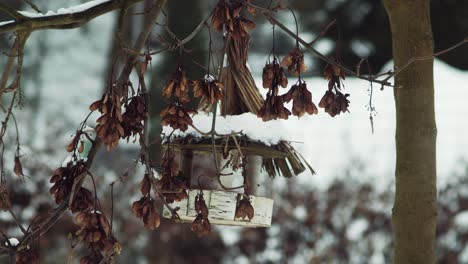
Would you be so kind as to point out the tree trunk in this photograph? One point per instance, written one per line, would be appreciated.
(415, 208)
(183, 17)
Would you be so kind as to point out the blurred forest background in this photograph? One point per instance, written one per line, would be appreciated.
(343, 221)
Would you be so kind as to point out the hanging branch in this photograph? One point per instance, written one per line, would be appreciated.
(139, 45)
(16, 52)
(33, 6)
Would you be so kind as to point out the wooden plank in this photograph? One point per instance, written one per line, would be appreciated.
(222, 208)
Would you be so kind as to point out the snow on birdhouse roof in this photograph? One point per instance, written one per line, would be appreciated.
(268, 133)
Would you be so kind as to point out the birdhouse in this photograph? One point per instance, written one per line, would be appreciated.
(248, 165)
(217, 168)
(229, 171)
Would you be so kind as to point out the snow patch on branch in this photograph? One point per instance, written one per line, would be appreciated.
(3, 23)
(64, 11)
(12, 241)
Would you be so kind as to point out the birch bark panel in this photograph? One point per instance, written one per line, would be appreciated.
(222, 209)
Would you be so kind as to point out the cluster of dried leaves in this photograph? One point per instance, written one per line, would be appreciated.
(146, 209)
(95, 230)
(294, 61)
(228, 15)
(274, 77)
(173, 184)
(64, 178)
(244, 208)
(27, 256)
(210, 89)
(112, 124)
(176, 114)
(334, 101)
(109, 128)
(302, 99)
(18, 168)
(134, 116)
(201, 224)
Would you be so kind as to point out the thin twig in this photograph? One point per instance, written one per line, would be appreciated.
(33, 6)
(10, 11)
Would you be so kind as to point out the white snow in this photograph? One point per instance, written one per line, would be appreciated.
(230, 235)
(356, 229)
(463, 257)
(12, 241)
(300, 213)
(461, 221)
(68, 10)
(3, 23)
(252, 126)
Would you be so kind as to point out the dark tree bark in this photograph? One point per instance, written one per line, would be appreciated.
(183, 17)
(415, 208)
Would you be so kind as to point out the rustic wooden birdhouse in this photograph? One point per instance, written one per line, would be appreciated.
(233, 182)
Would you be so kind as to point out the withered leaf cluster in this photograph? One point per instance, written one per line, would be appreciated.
(273, 76)
(95, 230)
(201, 224)
(134, 116)
(302, 100)
(112, 124)
(64, 178)
(18, 168)
(273, 108)
(172, 184)
(294, 62)
(334, 75)
(177, 86)
(334, 103)
(109, 128)
(145, 185)
(228, 15)
(209, 88)
(146, 209)
(94, 258)
(27, 256)
(73, 145)
(82, 201)
(244, 209)
(176, 114)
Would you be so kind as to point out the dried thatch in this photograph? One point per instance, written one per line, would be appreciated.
(241, 95)
(279, 159)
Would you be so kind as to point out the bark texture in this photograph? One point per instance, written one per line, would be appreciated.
(415, 208)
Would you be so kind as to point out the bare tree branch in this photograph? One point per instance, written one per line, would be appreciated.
(10, 11)
(63, 21)
(33, 6)
(17, 52)
(139, 44)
